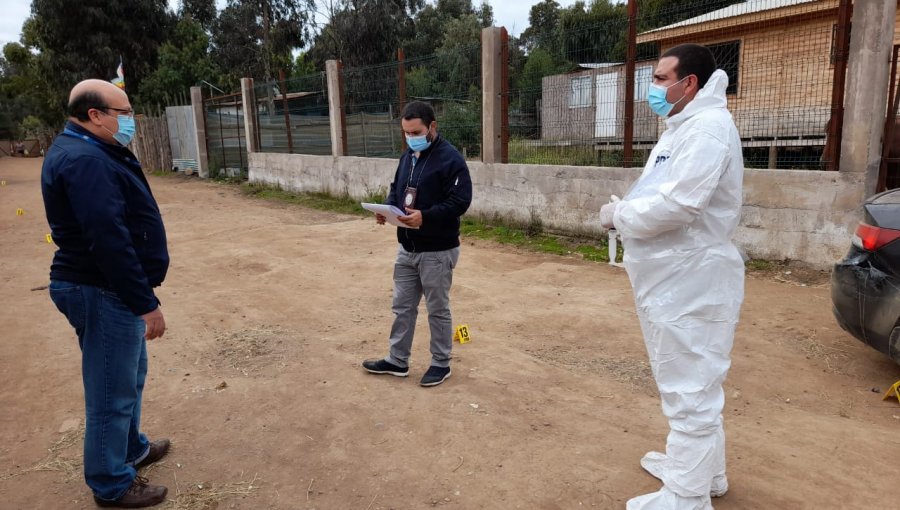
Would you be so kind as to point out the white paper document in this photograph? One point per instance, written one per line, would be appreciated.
(389, 212)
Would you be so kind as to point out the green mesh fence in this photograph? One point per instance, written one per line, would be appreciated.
(292, 116)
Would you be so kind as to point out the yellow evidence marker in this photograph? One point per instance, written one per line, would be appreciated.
(49, 239)
(20, 212)
(462, 334)
(893, 392)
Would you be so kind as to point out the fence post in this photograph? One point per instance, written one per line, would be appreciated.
(401, 89)
(336, 112)
(251, 129)
(631, 55)
(492, 48)
(200, 127)
(871, 43)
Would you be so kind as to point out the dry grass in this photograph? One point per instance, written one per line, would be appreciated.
(251, 351)
(70, 467)
(206, 495)
(833, 358)
(636, 373)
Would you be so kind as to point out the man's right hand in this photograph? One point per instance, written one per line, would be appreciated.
(156, 324)
(380, 219)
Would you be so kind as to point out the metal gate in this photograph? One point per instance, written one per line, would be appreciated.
(226, 145)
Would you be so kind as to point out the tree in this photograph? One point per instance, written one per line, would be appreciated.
(255, 38)
(365, 32)
(184, 60)
(430, 24)
(594, 34)
(85, 39)
(201, 11)
(22, 93)
(543, 24)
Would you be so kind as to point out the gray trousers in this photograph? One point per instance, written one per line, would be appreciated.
(416, 274)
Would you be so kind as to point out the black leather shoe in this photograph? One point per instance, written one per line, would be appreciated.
(140, 495)
(158, 450)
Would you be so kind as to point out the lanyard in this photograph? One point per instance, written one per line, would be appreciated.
(86, 138)
(412, 170)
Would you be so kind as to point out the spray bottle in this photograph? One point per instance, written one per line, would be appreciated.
(613, 245)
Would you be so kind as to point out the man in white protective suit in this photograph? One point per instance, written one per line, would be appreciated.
(676, 224)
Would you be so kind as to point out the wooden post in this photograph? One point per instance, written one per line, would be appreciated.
(631, 55)
(842, 49)
(401, 77)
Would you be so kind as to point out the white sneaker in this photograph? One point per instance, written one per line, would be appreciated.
(654, 463)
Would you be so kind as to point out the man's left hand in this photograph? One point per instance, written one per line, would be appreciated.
(412, 219)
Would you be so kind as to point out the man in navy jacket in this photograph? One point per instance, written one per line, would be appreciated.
(112, 253)
(432, 185)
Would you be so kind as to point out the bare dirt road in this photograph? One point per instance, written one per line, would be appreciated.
(271, 308)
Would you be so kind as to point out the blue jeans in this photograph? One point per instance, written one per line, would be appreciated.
(113, 369)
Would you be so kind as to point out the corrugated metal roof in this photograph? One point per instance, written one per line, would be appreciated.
(741, 9)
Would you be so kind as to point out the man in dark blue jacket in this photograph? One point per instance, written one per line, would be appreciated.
(112, 253)
(432, 184)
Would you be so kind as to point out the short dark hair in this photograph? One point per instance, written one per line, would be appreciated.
(419, 110)
(693, 59)
(80, 104)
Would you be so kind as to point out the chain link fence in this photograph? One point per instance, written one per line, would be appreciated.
(292, 115)
(374, 96)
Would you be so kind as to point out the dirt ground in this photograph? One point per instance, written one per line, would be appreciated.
(271, 308)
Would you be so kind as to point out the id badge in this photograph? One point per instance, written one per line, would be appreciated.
(409, 198)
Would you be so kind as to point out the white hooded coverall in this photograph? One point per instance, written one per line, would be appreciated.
(676, 223)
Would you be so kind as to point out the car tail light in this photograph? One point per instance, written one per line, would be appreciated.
(872, 238)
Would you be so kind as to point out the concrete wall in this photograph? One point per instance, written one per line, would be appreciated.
(798, 215)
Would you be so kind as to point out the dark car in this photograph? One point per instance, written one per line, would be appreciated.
(865, 286)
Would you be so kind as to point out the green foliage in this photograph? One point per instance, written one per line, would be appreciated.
(32, 127)
(303, 66)
(511, 233)
(80, 40)
(255, 37)
(365, 32)
(420, 83)
(184, 60)
(201, 11)
(543, 29)
(21, 93)
(461, 124)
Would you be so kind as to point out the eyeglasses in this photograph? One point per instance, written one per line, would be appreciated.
(128, 112)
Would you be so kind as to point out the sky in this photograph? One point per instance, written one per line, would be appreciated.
(512, 14)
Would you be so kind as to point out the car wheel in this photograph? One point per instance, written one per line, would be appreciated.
(894, 343)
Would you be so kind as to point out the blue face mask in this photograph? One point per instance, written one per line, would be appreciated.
(418, 143)
(656, 97)
(126, 131)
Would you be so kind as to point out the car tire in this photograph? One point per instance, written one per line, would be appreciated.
(894, 343)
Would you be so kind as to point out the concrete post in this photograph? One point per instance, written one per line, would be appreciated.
(200, 127)
(491, 89)
(865, 101)
(251, 129)
(336, 108)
